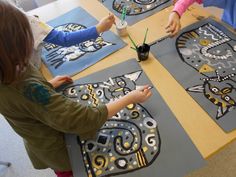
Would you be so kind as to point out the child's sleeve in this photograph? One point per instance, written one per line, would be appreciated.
(67, 39)
(39, 29)
(216, 3)
(182, 5)
(62, 113)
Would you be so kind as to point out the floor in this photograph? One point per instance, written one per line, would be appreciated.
(31, 4)
(12, 150)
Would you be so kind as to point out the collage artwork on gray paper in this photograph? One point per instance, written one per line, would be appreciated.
(137, 140)
(136, 9)
(205, 55)
(74, 59)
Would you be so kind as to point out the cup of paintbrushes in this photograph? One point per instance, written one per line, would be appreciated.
(142, 50)
(121, 26)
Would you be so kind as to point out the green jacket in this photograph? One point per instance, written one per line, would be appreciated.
(41, 116)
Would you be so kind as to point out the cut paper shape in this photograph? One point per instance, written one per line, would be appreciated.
(204, 64)
(142, 142)
(71, 60)
(136, 10)
(206, 69)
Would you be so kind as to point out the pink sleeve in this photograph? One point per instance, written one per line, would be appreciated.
(181, 5)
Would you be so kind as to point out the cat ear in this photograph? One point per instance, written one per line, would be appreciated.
(133, 76)
(197, 88)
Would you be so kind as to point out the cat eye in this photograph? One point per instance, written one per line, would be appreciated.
(227, 98)
(121, 83)
(214, 89)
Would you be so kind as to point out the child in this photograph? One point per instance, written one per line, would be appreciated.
(34, 109)
(229, 15)
(43, 32)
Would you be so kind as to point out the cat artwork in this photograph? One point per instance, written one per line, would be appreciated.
(212, 53)
(57, 55)
(128, 141)
(136, 7)
(220, 91)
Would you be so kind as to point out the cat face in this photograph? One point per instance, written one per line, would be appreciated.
(127, 142)
(207, 45)
(220, 91)
(212, 53)
(136, 7)
(57, 55)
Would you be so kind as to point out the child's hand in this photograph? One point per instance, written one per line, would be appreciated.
(136, 96)
(59, 80)
(140, 95)
(106, 23)
(173, 25)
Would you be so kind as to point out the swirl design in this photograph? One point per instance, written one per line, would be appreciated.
(100, 161)
(150, 140)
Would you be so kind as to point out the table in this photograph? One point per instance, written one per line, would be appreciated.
(204, 132)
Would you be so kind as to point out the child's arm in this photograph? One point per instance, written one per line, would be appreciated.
(67, 39)
(180, 7)
(137, 96)
(66, 115)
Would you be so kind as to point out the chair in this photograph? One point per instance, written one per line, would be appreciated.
(6, 164)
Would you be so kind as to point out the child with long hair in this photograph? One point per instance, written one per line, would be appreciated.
(34, 109)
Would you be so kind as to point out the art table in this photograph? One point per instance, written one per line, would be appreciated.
(203, 131)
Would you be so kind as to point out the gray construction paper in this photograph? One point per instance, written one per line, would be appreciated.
(137, 10)
(74, 59)
(176, 154)
(211, 46)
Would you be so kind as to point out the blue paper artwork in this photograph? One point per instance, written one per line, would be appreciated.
(140, 140)
(74, 59)
(136, 10)
(203, 60)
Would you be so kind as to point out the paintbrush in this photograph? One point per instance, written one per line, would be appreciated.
(123, 15)
(145, 37)
(159, 40)
(135, 46)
